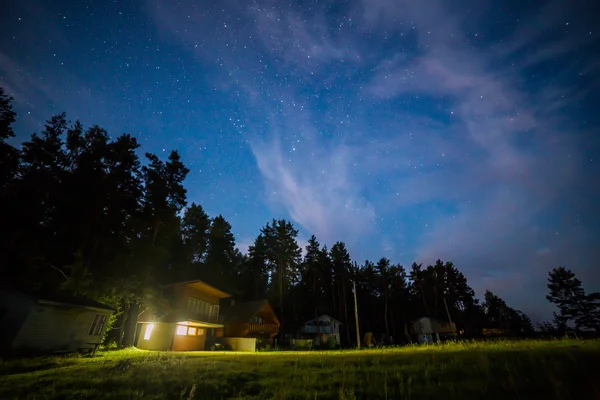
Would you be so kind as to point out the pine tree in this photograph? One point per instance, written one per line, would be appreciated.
(342, 265)
(221, 256)
(566, 291)
(195, 227)
(385, 275)
(283, 256)
(311, 274)
(13, 239)
(9, 156)
(254, 276)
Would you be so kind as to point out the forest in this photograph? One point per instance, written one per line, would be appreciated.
(88, 214)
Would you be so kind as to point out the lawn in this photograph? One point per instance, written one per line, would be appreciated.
(560, 369)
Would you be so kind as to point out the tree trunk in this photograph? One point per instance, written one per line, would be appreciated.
(131, 324)
(426, 309)
(315, 297)
(333, 302)
(124, 317)
(393, 324)
(294, 316)
(280, 279)
(155, 233)
(346, 311)
(436, 296)
(385, 319)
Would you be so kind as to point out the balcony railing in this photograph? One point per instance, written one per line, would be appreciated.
(189, 315)
(261, 328)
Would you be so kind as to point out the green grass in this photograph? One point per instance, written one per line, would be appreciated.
(560, 369)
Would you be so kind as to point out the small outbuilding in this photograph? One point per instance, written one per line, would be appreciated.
(322, 330)
(428, 330)
(50, 323)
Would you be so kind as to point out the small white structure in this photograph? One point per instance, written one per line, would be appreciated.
(50, 323)
(322, 329)
(429, 330)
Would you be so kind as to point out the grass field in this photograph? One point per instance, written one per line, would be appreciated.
(561, 369)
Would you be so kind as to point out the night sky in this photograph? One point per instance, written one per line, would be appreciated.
(414, 130)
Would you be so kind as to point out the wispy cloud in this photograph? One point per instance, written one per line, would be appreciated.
(303, 40)
(347, 131)
(316, 190)
(20, 82)
(521, 164)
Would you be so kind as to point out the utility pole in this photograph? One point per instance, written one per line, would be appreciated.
(356, 316)
(448, 314)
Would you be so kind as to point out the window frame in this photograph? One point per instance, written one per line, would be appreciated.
(97, 325)
(201, 308)
(199, 331)
(148, 331)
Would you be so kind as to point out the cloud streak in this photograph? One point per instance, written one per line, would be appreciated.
(316, 190)
(374, 115)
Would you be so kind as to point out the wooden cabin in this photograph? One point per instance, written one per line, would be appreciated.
(195, 315)
(254, 319)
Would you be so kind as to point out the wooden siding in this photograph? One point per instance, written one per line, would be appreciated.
(182, 293)
(429, 325)
(189, 343)
(251, 329)
(268, 329)
(186, 291)
(54, 328)
(161, 337)
(240, 344)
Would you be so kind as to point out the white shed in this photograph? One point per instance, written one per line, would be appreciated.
(429, 329)
(321, 329)
(50, 323)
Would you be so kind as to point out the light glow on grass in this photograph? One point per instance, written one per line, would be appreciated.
(553, 369)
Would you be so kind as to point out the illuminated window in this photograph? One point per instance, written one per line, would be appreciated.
(148, 331)
(185, 330)
(181, 330)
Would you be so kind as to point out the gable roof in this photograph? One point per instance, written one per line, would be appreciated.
(59, 299)
(206, 286)
(323, 317)
(429, 318)
(243, 312)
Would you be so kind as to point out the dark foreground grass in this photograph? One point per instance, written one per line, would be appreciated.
(565, 369)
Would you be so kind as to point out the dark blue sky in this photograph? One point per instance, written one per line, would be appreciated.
(414, 130)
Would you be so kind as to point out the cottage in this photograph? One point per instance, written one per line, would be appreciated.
(322, 330)
(50, 323)
(428, 329)
(194, 317)
(254, 319)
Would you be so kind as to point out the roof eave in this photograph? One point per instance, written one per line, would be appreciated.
(62, 304)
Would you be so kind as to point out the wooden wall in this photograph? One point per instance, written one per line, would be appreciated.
(161, 337)
(241, 344)
(58, 328)
(189, 343)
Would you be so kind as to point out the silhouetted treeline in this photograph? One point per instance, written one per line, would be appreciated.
(82, 213)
